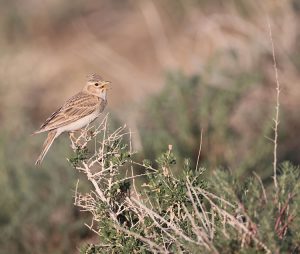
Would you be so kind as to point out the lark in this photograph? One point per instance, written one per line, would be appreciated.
(77, 112)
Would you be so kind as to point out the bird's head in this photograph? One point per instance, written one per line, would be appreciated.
(95, 85)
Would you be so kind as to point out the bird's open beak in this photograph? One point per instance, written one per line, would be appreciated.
(107, 85)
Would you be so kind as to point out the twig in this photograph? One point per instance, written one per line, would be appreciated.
(199, 152)
(276, 119)
(262, 186)
(152, 244)
(176, 230)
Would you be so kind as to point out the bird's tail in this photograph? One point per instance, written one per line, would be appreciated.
(48, 142)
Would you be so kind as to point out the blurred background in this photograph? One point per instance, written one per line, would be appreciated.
(177, 67)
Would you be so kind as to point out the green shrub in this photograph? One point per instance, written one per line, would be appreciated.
(177, 210)
(188, 105)
(37, 214)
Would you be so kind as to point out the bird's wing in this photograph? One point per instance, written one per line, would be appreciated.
(80, 105)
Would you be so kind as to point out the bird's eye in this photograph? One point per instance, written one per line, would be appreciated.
(96, 84)
(101, 87)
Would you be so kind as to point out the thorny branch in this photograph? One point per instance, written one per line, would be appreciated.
(132, 211)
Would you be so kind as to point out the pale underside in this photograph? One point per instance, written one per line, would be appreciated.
(82, 122)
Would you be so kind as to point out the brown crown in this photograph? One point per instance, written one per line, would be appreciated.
(94, 77)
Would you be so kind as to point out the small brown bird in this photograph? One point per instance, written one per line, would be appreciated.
(76, 113)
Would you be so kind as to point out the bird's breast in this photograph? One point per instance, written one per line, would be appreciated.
(102, 105)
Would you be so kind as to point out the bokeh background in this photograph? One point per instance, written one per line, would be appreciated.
(177, 67)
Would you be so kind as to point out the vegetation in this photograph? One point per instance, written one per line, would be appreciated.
(37, 213)
(219, 83)
(183, 212)
(189, 106)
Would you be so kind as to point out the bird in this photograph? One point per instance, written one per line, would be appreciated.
(76, 113)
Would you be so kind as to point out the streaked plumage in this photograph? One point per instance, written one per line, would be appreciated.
(77, 112)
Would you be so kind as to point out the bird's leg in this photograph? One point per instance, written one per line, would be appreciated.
(77, 141)
(89, 134)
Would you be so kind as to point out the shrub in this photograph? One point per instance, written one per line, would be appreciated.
(181, 212)
(37, 213)
(188, 105)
